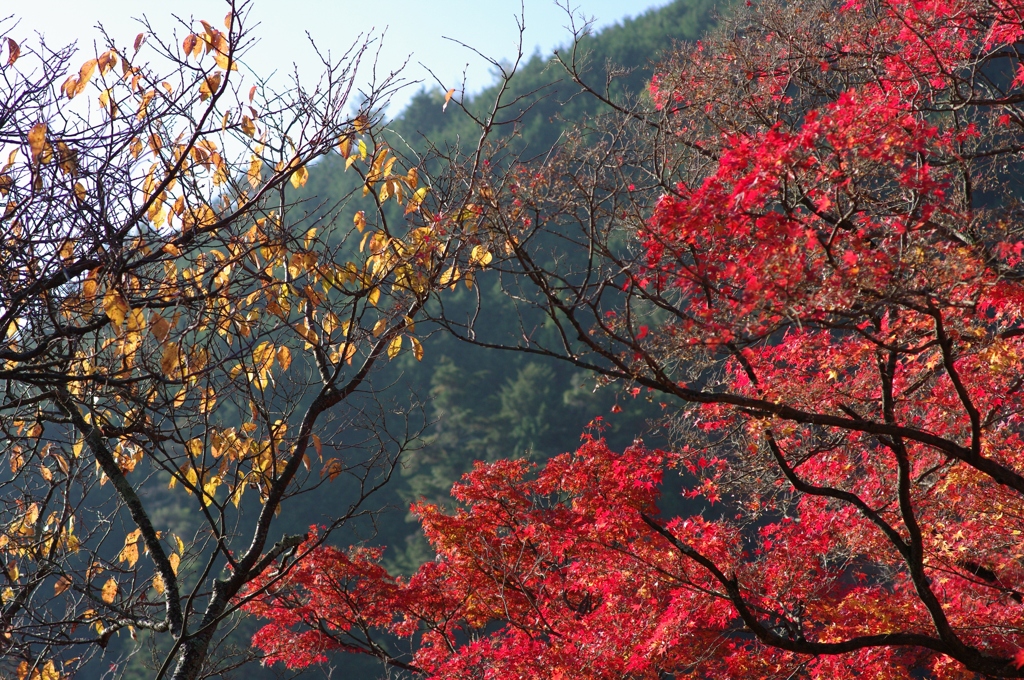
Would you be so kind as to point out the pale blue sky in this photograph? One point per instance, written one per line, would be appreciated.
(413, 27)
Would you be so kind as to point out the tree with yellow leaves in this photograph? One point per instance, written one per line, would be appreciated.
(172, 312)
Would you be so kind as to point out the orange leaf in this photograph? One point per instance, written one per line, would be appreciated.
(447, 98)
(394, 347)
(37, 140)
(15, 51)
(109, 591)
(189, 43)
(115, 306)
(299, 177)
(85, 73)
(284, 357)
(62, 584)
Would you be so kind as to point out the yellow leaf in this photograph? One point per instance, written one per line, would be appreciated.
(362, 149)
(359, 219)
(254, 174)
(248, 127)
(195, 447)
(449, 277)
(68, 159)
(300, 177)
(109, 591)
(136, 320)
(344, 141)
(129, 554)
(115, 306)
(284, 357)
(158, 584)
(37, 140)
(374, 296)
(174, 560)
(210, 489)
(395, 347)
(350, 352)
(209, 86)
(180, 544)
(49, 671)
(416, 199)
(447, 98)
(417, 349)
(85, 73)
(379, 327)
(169, 360)
(224, 61)
(480, 256)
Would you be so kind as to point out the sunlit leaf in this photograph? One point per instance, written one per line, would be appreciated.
(300, 177)
(480, 256)
(394, 346)
(14, 51)
(169, 360)
(62, 584)
(284, 357)
(37, 140)
(115, 306)
(109, 592)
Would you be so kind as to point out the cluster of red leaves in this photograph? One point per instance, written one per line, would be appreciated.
(578, 584)
(867, 313)
(319, 600)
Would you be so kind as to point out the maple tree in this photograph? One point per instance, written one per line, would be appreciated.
(174, 312)
(809, 251)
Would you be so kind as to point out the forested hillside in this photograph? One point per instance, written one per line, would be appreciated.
(484, 405)
(470, 404)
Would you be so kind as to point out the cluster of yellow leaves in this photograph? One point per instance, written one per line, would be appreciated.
(48, 671)
(211, 41)
(175, 560)
(28, 535)
(76, 84)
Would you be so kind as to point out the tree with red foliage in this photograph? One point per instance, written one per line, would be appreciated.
(817, 264)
